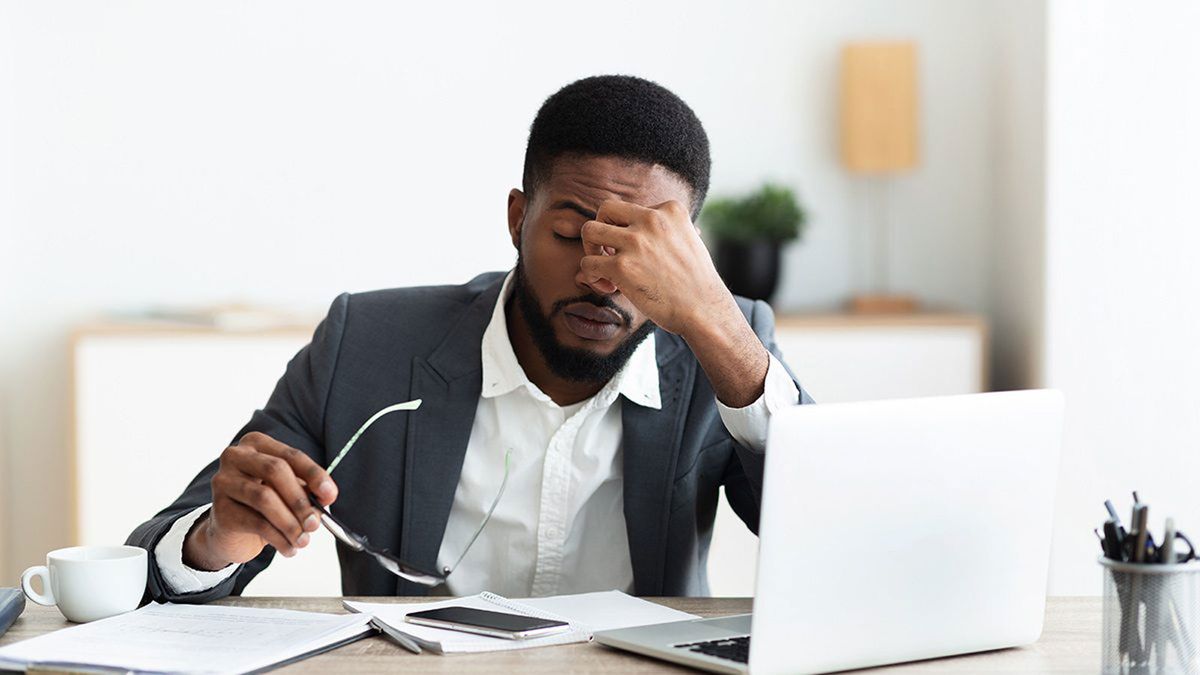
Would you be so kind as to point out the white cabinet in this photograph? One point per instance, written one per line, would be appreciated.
(856, 358)
(863, 357)
(154, 405)
(4, 502)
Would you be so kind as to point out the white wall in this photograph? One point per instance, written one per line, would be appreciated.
(1018, 233)
(1122, 328)
(281, 152)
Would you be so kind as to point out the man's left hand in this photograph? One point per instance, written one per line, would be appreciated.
(654, 256)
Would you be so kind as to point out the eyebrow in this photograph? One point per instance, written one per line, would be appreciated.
(568, 204)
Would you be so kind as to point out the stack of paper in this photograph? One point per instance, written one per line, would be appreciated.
(586, 612)
(189, 638)
(216, 639)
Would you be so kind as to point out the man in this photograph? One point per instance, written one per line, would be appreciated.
(605, 389)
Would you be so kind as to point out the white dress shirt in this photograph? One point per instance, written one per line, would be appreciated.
(560, 524)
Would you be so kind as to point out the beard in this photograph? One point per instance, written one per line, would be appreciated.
(573, 364)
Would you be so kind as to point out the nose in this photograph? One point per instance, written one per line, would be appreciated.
(599, 287)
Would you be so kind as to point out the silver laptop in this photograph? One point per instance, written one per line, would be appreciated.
(891, 531)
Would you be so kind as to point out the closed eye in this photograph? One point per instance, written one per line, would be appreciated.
(562, 238)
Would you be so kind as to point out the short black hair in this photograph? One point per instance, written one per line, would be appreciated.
(619, 116)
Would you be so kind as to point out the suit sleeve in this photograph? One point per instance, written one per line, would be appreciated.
(295, 415)
(744, 474)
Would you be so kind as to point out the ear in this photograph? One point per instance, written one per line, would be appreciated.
(516, 215)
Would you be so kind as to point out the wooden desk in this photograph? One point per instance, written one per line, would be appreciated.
(1070, 643)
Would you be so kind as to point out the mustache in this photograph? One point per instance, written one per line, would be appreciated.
(597, 300)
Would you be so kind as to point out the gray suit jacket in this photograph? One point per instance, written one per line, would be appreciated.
(377, 348)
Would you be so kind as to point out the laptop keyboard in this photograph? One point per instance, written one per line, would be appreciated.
(734, 648)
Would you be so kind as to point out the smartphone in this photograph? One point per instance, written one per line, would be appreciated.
(483, 622)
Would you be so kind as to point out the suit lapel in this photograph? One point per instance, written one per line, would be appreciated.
(448, 383)
(650, 447)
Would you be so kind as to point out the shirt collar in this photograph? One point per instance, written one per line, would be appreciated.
(502, 373)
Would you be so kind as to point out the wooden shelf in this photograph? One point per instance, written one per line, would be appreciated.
(851, 320)
(175, 328)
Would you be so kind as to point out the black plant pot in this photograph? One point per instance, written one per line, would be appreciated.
(749, 268)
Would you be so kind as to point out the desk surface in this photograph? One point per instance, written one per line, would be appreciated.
(1070, 643)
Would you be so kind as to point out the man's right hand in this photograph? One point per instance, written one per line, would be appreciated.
(259, 497)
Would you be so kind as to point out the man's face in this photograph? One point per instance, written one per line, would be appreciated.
(583, 334)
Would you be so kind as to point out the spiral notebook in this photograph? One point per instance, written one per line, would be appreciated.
(585, 612)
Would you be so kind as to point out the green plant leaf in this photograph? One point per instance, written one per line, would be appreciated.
(772, 212)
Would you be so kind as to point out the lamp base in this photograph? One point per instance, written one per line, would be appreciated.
(882, 303)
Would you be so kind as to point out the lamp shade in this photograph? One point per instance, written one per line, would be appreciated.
(879, 106)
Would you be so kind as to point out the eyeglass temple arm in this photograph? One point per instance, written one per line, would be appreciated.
(495, 502)
(407, 405)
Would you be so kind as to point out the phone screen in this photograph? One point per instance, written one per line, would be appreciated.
(468, 616)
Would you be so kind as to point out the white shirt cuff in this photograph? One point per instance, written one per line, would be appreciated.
(169, 555)
(748, 425)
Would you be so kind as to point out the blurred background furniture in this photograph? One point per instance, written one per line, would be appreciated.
(155, 402)
(858, 357)
(879, 139)
(4, 470)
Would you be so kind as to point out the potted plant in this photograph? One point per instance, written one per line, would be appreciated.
(749, 233)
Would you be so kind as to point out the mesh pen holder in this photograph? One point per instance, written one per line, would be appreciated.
(1151, 618)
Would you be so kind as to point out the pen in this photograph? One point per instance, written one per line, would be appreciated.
(1139, 652)
(1176, 631)
(1141, 515)
(1114, 535)
(1113, 551)
(1112, 540)
(1112, 513)
(397, 637)
(1166, 553)
(1164, 603)
(1112, 510)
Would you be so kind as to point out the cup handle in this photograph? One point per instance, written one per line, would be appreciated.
(46, 597)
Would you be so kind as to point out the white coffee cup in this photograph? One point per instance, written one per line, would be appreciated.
(90, 582)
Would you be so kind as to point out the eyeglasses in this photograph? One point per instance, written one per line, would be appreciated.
(384, 557)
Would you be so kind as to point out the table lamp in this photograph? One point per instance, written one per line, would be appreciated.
(879, 140)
